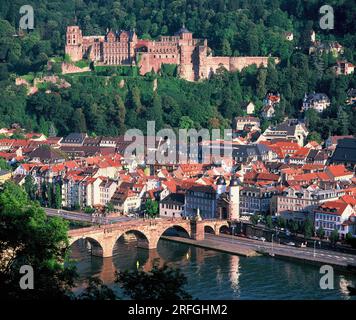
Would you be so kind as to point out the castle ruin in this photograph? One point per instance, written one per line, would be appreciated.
(192, 56)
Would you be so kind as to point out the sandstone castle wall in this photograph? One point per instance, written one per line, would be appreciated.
(124, 48)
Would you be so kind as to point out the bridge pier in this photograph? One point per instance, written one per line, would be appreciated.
(197, 230)
(108, 248)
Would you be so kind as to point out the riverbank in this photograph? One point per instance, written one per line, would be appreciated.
(340, 265)
(215, 245)
(250, 248)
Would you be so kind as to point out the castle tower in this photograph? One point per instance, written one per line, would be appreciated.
(185, 34)
(132, 46)
(186, 48)
(74, 42)
(234, 206)
(203, 53)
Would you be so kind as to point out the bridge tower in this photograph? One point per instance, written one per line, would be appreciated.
(234, 205)
(197, 228)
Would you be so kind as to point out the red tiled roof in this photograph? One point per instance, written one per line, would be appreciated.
(267, 176)
(7, 155)
(171, 185)
(20, 143)
(312, 166)
(6, 142)
(302, 153)
(338, 170)
(349, 200)
(333, 207)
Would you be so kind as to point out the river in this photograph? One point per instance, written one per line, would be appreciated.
(214, 275)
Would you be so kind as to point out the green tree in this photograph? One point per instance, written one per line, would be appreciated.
(30, 187)
(320, 232)
(135, 99)
(79, 122)
(96, 290)
(254, 219)
(334, 237)
(315, 136)
(152, 208)
(281, 223)
(155, 112)
(159, 284)
(4, 165)
(186, 123)
(308, 228)
(272, 77)
(348, 237)
(109, 208)
(50, 194)
(343, 122)
(226, 48)
(121, 115)
(294, 226)
(269, 222)
(261, 83)
(57, 196)
(28, 237)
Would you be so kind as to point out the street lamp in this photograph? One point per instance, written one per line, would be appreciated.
(314, 248)
(272, 246)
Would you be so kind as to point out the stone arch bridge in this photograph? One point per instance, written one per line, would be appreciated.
(148, 232)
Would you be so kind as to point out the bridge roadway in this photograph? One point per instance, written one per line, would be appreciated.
(84, 217)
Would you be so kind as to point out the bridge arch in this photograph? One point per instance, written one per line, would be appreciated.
(224, 229)
(89, 243)
(142, 240)
(176, 230)
(209, 229)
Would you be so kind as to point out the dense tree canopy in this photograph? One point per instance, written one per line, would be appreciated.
(28, 237)
(99, 104)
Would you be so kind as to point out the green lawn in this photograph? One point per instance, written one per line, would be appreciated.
(28, 77)
(82, 64)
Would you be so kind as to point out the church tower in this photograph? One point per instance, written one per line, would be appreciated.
(234, 206)
(220, 186)
(74, 42)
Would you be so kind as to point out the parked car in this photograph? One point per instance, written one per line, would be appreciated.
(302, 245)
(292, 244)
(262, 239)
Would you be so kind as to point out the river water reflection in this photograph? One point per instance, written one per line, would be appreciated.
(215, 275)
